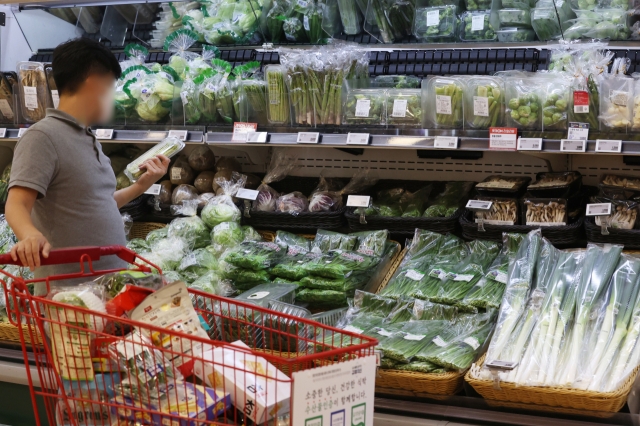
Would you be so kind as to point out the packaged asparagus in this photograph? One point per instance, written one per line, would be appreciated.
(483, 102)
(523, 101)
(545, 211)
(404, 107)
(277, 95)
(444, 102)
(503, 211)
(438, 23)
(496, 186)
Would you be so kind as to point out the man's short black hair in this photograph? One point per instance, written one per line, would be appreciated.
(74, 60)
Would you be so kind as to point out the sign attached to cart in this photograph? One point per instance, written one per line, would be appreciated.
(338, 394)
(503, 138)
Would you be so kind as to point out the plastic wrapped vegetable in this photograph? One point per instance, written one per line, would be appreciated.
(255, 256)
(444, 101)
(389, 20)
(222, 208)
(191, 229)
(281, 165)
(323, 199)
(404, 107)
(483, 102)
(326, 241)
(168, 147)
(338, 264)
(523, 108)
(476, 26)
(396, 81)
(226, 235)
(154, 94)
(438, 23)
(201, 158)
(450, 200)
(365, 107)
(277, 96)
(514, 18)
(515, 35)
(555, 102)
(294, 203)
(183, 193)
(4, 183)
(615, 105)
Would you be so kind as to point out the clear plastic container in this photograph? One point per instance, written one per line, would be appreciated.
(33, 95)
(545, 23)
(436, 23)
(522, 102)
(263, 294)
(169, 147)
(483, 105)
(476, 26)
(277, 95)
(365, 107)
(478, 4)
(515, 35)
(514, 18)
(555, 103)
(515, 4)
(404, 107)
(445, 102)
(544, 211)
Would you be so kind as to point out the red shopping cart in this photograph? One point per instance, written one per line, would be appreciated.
(99, 369)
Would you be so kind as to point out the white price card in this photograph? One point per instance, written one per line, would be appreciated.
(339, 394)
(104, 133)
(362, 107)
(399, 108)
(608, 145)
(503, 138)
(3, 132)
(308, 137)
(22, 131)
(178, 134)
(446, 142)
(573, 145)
(599, 209)
(433, 18)
(478, 205)
(358, 201)
(358, 139)
(502, 365)
(153, 189)
(578, 131)
(477, 22)
(247, 194)
(257, 137)
(529, 144)
(240, 131)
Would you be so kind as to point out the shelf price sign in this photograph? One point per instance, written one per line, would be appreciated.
(599, 209)
(503, 138)
(3, 132)
(578, 131)
(478, 205)
(179, 134)
(240, 131)
(104, 134)
(358, 201)
(446, 142)
(308, 137)
(608, 145)
(573, 145)
(247, 194)
(153, 189)
(358, 139)
(257, 137)
(22, 131)
(529, 144)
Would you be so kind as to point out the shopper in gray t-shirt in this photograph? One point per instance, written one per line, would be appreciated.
(62, 188)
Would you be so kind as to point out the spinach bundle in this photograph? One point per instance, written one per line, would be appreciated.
(255, 255)
(338, 264)
(328, 240)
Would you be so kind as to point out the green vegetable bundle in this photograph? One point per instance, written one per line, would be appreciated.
(255, 255)
(483, 102)
(523, 102)
(445, 102)
(404, 107)
(438, 23)
(450, 200)
(277, 95)
(460, 354)
(322, 299)
(413, 337)
(476, 26)
(340, 264)
(326, 241)
(390, 20)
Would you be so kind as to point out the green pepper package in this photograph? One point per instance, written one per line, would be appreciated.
(255, 255)
(522, 99)
(483, 102)
(555, 102)
(444, 102)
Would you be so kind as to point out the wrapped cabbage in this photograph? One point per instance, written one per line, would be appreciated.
(191, 229)
(224, 175)
(201, 159)
(251, 234)
(196, 264)
(184, 193)
(281, 165)
(226, 235)
(138, 245)
(221, 208)
(211, 282)
(326, 241)
(203, 199)
(156, 234)
(293, 203)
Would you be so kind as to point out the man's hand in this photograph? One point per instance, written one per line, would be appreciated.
(155, 167)
(28, 250)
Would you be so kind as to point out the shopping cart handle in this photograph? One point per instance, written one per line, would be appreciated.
(76, 255)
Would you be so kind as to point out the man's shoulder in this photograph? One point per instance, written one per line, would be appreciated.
(43, 130)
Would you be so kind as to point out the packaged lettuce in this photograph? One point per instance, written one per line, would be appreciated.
(212, 282)
(226, 235)
(197, 263)
(222, 208)
(255, 255)
(191, 229)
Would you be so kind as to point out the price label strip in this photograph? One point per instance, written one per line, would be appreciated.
(308, 137)
(358, 139)
(502, 365)
(179, 134)
(529, 144)
(573, 145)
(240, 131)
(257, 137)
(104, 134)
(608, 145)
(479, 205)
(358, 201)
(247, 194)
(503, 138)
(578, 131)
(446, 142)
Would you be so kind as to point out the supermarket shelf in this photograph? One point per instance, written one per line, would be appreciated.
(127, 136)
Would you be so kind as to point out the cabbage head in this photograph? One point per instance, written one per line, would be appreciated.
(212, 283)
(215, 213)
(192, 229)
(227, 234)
(156, 234)
(251, 234)
(148, 113)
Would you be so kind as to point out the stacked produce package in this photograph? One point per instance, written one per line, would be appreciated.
(622, 193)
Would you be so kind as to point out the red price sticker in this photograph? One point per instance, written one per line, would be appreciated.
(580, 102)
(503, 138)
(240, 131)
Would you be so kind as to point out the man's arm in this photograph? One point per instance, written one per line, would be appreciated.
(156, 168)
(18, 214)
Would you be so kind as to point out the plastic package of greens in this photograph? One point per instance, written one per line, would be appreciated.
(544, 21)
(154, 94)
(450, 200)
(169, 147)
(189, 97)
(463, 350)
(350, 16)
(444, 101)
(191, 229)
(476, 26)
(613, 25)
(7, 114)
(326, 241)
(404, 107)
(226, 235)
(555, 102)
(514, 18)
(523, 101)
(281, 165)
(436, 23)
(616, 99)
(255, 255)
(515, 35)
(263, 294)
(371, 243)
(389, 20)
(396, 81)
(295, 244)
(483, 102)
(339, 264)
(196, 264)
(253, 87)
(413, 337)
(365, 107)
(478, 4)
(277, 95)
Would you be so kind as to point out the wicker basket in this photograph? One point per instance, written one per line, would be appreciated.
(435, 384)
(559, 410)
(141, 229)
(630, 238)
(11, 333)
(403, 225)
(576, 399)
(558, 235)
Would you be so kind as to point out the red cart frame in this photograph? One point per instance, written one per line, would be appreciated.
(121, 397)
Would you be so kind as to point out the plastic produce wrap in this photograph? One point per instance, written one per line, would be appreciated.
(277, 95)
(396, 81)
(168, 147)
(444, 101)
(184, 193)
(514, 18)
(414, 336)
(281, 165)
(555, 102)
(255, 256)
(483, 102)
(178, 43)
(515, 35)
(7, 114)
(449, 201)
(439, 23)
(476, 26)
(324, 199)
(522, 99)
(231, 23)
(339, 264)
(222, 208)
(326, 241)
(191, 229)
(389, 20)
(154, 94)
(463, 350)
(623, 213)
(196, 264)
(201, 158)
(32, 83)
(294, 203)
(226, 235)
(617, 90)
(404, 107)
(365, 107)
(253, 88)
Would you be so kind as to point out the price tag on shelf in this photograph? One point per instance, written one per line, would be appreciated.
(3, 132)
(22, 131)
(572, 145)
(599, 209)
(578, 131)
(358, 201)
(104, 133)
(608, 145)
(478, 205)
(308, 137)
(503, 138)
(358, 139)
(529, 144)
(257, 137)
(247, 194)
(179, 134)
(240, 131)
(446, 142)
(153, 189)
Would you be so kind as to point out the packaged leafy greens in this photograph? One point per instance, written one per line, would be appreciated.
(389, 20)
(476, 26)
(295, 244)
(438, 23)
(450, 200)
(191, 229)
(460, 353)
(413, 337)
(371, 243)
(226, 235)
(196, 264)
(338, 264)
(255, 256)
(326, 241)
(615, 105)
(404, 107)
(365, 107)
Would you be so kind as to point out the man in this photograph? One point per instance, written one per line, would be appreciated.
(62, 188)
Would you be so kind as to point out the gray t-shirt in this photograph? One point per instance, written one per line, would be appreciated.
(64, 162)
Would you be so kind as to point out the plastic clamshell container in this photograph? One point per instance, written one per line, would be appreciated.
(404, 107)
(544, 211)
(523, 108)
(545, 23)
(168, 147)
(514, 18)
(444, 102)
(515, 35)
(503, 211)
(484, 102)
(476, 26)
(33, 92)
(365, 107)
(264, 293)
(439, 23)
